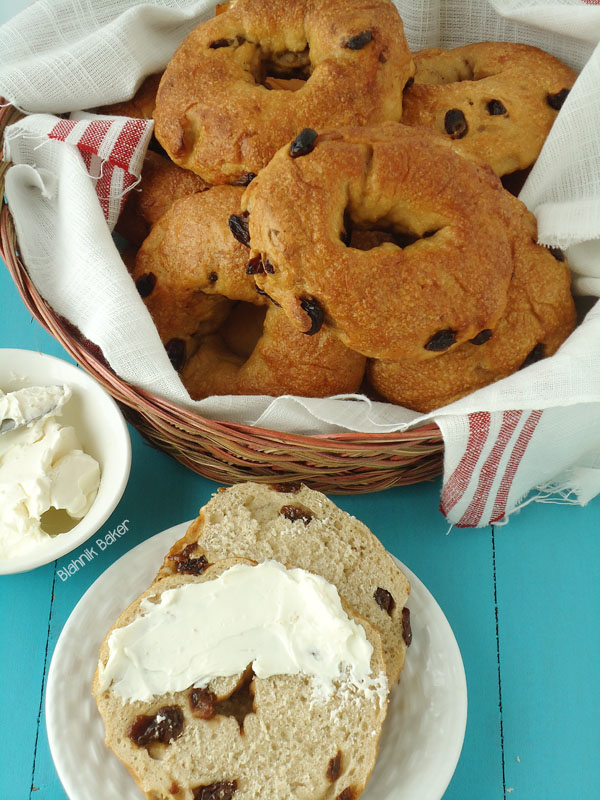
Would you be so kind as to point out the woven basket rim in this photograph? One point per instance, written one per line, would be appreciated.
(145, 402)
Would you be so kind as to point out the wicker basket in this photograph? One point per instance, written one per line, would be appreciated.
(226, 452)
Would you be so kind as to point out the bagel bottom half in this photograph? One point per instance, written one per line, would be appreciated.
(247, 736)
(258, 351)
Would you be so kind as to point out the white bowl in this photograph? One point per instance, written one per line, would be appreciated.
(102, 432)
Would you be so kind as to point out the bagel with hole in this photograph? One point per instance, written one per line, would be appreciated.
(189, 266)
(258, 351)
(494, 100)
(441, 277)
(539, 316)
(243, 83)
(190, 270)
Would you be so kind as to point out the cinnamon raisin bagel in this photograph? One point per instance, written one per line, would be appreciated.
(258, 351)
(162, 183)
(441, 279)
(188, 267)
(539, 316)
(496, 100)
(303, 528)
(216, 112)
(261, 732)
(194, 244)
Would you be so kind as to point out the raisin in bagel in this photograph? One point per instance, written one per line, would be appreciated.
(274, 359)
(245, 736)
(216, 112)
(303, 528)
(540, 314)
(189, 270)
(161, 184)
(188, 267)
(496, 100)
(441, 280)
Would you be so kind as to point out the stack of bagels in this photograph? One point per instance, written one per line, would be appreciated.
(324, 212)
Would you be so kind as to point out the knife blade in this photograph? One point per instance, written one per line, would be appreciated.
(24, 406)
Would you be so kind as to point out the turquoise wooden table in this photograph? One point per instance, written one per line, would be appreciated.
(523, 601)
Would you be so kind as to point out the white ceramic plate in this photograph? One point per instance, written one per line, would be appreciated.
(102, 432)
(422, 736)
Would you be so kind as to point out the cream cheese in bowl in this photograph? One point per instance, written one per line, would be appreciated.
(63, 474)
(43, 470)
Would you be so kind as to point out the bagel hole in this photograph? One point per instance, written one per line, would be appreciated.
(185, 143)
(451, 73)
(285, 71)
(243, 328)
(370, 236)
(464, 72)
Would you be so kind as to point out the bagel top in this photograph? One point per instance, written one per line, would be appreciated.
(303, 528)
(217, 115)
(539, 316)
(496, 100)
(441, 280)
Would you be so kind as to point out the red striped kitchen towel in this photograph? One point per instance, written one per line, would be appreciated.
(478, 485)
(112, 149)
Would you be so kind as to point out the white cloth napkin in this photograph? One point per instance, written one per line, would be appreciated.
(536, 430)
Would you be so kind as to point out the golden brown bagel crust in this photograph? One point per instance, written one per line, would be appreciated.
(283, 361)
(496, 100)
(190, 265)
(540, 315)
(393, 302)
(193, 243)
(162, 182)
(215, 116)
